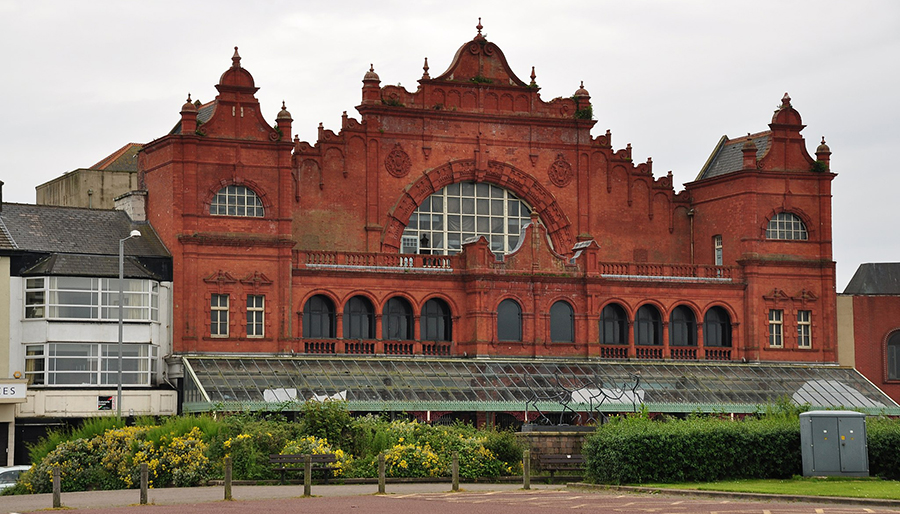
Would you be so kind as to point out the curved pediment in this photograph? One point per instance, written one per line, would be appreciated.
(481, 62)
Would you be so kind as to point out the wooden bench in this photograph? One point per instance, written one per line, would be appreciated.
(554, 462)
(298, 462)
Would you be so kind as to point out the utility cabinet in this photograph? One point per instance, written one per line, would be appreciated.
(834, 443)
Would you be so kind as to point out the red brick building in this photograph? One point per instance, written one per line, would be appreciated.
(471, 218)
(869, 322)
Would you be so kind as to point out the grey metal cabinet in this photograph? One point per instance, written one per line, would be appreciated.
(834, 443)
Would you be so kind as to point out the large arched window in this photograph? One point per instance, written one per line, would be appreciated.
(648, 326)
(613, 325)
(562, 323)
(682, 327)
(509, 321)
(318, 318)
(786, 225)
(236, 201)
(467, 209)
(436, 322)
(397, 322)
(359, 319)
(717, 328)
(893, 356)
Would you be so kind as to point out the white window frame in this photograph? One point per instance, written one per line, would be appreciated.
(218, 321)
(236, 200)
(776, 328)
(787, 226)
(68, 364)
(717, 249)
(465, 210)
(256, 315)
(804, 329)
(87, 298)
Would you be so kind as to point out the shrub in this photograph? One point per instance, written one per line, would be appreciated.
(638, 450)
(316, 446)
(327, 419)
(883, 439)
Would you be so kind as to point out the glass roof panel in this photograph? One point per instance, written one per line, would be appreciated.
(420, 384)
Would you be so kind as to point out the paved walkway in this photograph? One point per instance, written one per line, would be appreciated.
(193, 495)
(437, 497)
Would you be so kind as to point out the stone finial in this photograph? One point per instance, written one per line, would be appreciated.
(236, 59)
(283, 113)
(425, 69)
(479, 36)
(533, 76)
(188, 105)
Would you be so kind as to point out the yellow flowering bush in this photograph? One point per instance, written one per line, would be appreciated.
(313, 445)
(177, 460)
(411, 460)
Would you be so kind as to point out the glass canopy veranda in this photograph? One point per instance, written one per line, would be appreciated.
(371, 384)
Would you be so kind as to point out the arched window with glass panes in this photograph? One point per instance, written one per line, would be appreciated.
(237, 200)
(464, 210)
(397, 321)
(786, 225)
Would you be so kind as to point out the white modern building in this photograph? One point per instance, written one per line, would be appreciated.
(59, 322)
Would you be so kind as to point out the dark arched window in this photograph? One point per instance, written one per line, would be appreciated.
(236, 201)
(509, 321)
(648, 326)
(318, 318)
(717, 328)
(359, 319)
(562, 323)
(397, 322)
(682, 327)
(613, 325)
(893, 354)
(436, 322)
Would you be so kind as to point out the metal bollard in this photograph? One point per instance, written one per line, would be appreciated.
(145, 482)
(227, 478)
(526, 469)
(307, 475)
(455, 471)
(57, 501)
(381, 473)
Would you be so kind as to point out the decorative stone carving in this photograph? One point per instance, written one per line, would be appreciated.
(560, 172)
(397, 162)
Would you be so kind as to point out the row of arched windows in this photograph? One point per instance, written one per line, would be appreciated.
(648, 326)
(320, 320)
(436, 324)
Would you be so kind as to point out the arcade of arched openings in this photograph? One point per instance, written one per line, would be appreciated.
(470, 217)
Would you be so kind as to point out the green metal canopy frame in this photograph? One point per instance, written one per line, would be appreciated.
(395, 384)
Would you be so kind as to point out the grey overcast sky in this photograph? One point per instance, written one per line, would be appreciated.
(81, 79)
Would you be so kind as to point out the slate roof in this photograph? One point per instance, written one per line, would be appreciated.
(204, 113)
(727, 157)
(880, 278)
(80, 241)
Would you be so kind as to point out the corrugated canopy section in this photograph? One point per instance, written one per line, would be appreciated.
(385, 384)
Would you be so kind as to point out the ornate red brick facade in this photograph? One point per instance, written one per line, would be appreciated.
(604, 230)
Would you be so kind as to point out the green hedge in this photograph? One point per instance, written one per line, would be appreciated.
(635, 450)
(638, 450)
(883, 438)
